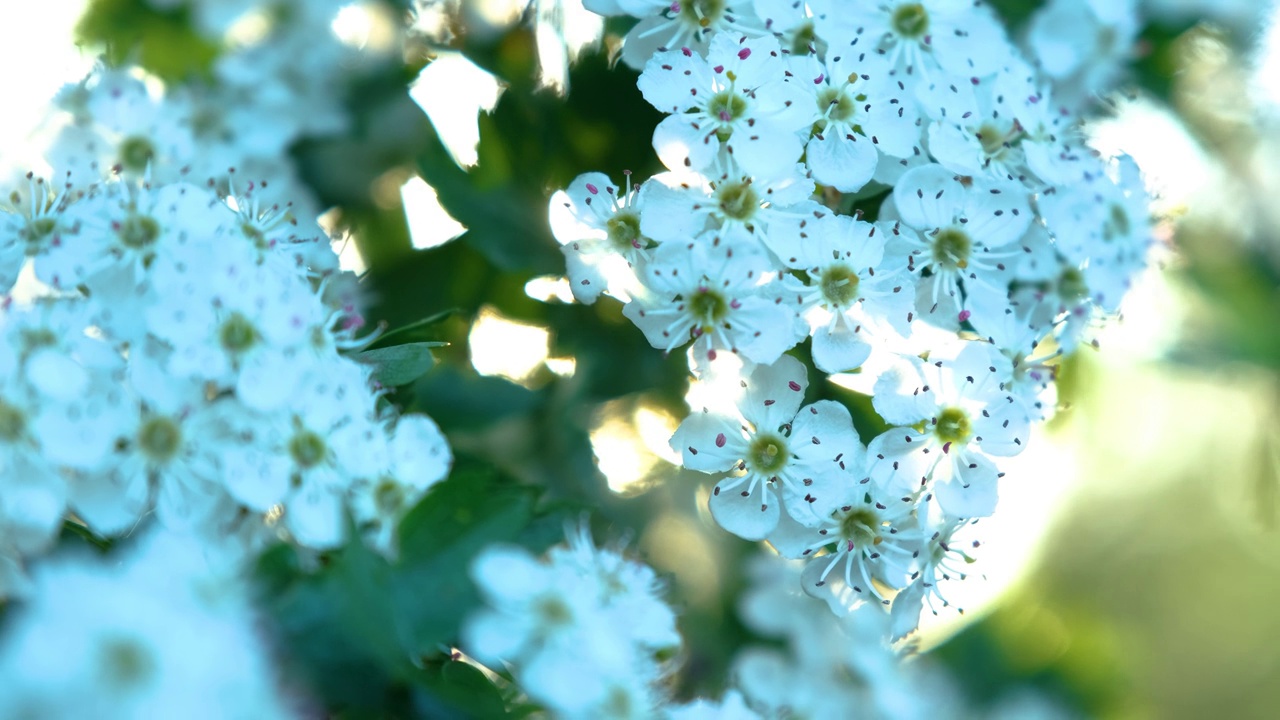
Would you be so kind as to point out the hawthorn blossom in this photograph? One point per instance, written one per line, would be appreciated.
(738, 97)
(709, 291)
(954, 414)
(783, 455)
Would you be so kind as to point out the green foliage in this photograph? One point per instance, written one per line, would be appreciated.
(399, 364)
(161, 41)
(365, 634)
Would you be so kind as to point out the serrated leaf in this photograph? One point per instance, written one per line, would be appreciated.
(400, 364)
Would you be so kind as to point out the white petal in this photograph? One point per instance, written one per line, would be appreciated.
(972, 492)
(838, 349)
(845, 162)
(314, 516)
(708, 442)
(749, 515)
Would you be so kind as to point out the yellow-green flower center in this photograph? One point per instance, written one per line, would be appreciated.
(708, 307)
(1072, 287)
(953, 426)
(861, 527)
(159, 438)
(839, 285)
(135, 153)
(307, 449)
(951, 248)
(738, 200)
(126, 663)
(701, 13)
(138, 232)
(237, 334)
(388, 496)
(624, 230)
(836, 104)
(767, 454)
(37, 233)
(911, 20)
(13, 423)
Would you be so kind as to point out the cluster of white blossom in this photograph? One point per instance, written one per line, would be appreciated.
(281, 74)
(189, 351)
(159, 631)
(1001, 240)
(187, 360)
(585, 631)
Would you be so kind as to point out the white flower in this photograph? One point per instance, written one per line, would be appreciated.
(858, 112)
(584, 628)
(709, 292)
(419, 457)
(955, 414)
(135, 640)
(738, 96)
(852, 294)
(668, 24)
(953, 37)
(784, 456)
(958, 233)
(598, 227)
(31, 221)
(768, 209)
(873, 537)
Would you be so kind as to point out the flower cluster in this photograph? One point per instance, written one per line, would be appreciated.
(585, 628)
(280, 75)
(893, 185)
(160, 632)
(187, 359)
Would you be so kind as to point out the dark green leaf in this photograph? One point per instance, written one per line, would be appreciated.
(399, 364)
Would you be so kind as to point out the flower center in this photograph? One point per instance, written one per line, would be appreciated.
(307, 449)
(910, 20)
(861, 527)
(836, 104)
(953, 426)
(767, 454)
(388, 496)
(126, 664)
(12, 422)
(37, 231)
(159, 438)
(624, 230)
(708, 307)
(738, 200)
(237, 334)
(839, 284)
(35, 338)
(135, 153)
(1072, 287)
(726, 107)
(255, 235)
(138, 232)
(700, 13)
(992, 139)
(1117, 224)
(951, 248)
(553, 612)
(803, 40)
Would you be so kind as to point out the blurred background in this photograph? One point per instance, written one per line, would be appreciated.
(1132, 568)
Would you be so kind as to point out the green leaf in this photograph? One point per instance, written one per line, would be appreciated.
(438, 540)
(462, 689)
(400, 335)
(399, 364)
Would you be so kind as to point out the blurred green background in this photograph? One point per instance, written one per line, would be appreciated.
(1133, 568)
